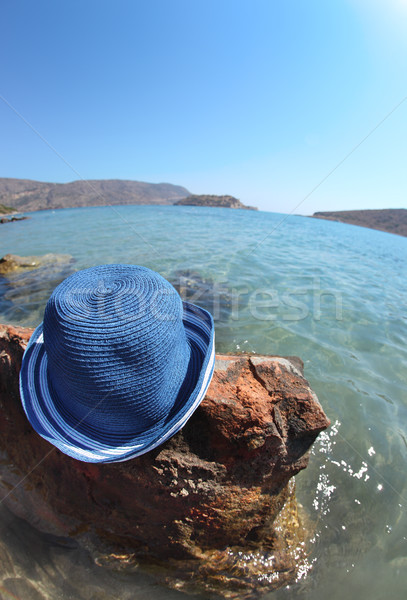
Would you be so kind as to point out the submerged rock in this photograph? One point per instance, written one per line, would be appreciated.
(215, 297)
(26, 283)
(213, 509)
(12, 263)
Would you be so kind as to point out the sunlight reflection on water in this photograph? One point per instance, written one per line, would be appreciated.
(283, 299)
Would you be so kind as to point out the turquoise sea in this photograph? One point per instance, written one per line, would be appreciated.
(333, 294)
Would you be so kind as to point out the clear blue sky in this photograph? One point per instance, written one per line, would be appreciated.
(258, 98)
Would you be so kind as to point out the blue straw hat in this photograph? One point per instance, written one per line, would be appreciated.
(118, 365)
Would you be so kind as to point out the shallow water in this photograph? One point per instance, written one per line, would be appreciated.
(333, 294)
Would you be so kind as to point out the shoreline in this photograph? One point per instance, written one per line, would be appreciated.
(389, 220)
(12, 217)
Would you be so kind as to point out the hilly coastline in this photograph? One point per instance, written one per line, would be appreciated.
(25, 195)
(392, 220)
(213, 200)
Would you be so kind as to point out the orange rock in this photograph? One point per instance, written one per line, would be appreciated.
(215, 487)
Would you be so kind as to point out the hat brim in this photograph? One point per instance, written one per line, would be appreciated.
(38, 403)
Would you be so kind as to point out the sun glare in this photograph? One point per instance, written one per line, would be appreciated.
(387, 18)
(383, 6)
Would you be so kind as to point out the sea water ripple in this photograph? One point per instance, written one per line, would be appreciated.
(333, 294)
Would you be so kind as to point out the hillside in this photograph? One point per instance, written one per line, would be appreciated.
(392, 220)
(6, 210)
(26, 195)
(211, 200)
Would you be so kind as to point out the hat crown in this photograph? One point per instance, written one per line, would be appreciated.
(117, 349)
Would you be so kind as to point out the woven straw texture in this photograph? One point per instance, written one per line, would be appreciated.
(118, 365)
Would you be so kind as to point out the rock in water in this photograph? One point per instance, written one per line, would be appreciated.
(12, 263)
(210, 510)
(26, 283)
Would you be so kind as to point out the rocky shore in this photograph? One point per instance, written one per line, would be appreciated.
(9, 215)
(11, 219)
(212, 200)
(392, 220)
(212, 510)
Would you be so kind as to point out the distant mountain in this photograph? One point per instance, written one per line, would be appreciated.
(211, 200)
(26, 195)
(392, 220)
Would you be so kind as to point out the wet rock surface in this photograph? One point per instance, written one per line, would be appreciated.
(213, 509)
